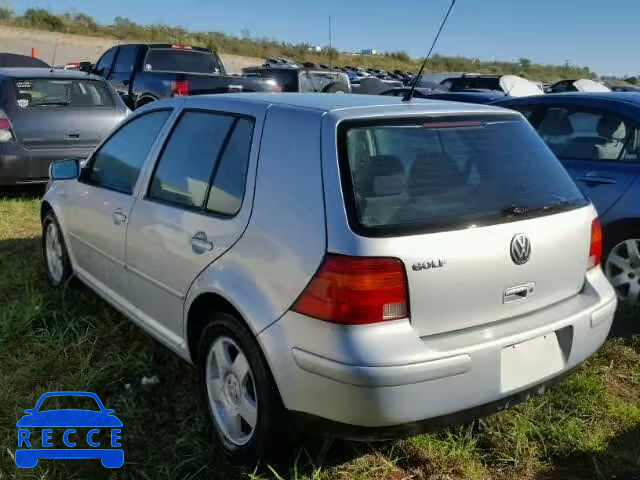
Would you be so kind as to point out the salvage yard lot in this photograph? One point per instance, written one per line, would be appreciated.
(587, 427)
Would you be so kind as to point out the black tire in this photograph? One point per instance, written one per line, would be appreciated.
(55, 280)
(271, 428)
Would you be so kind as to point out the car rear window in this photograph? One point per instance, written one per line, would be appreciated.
(43, 92)
(181, 60)
(430, 174)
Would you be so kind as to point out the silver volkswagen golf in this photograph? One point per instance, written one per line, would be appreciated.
(355, 263)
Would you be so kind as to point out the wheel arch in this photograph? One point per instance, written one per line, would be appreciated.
(198, 317)
(45, 207)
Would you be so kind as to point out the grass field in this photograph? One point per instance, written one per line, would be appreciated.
(587, 427)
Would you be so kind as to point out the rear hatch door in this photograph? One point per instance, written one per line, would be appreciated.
(487, 222)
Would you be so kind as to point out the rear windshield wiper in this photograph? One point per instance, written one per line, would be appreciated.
(46, 104)
(551, 207)
(523, 210)
(515, 211)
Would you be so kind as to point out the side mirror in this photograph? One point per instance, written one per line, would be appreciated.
(85, 67)
(64, 169)
(29, 411)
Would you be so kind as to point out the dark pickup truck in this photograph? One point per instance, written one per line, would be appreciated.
(143, 73)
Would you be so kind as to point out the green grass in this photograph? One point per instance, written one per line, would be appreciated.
(586, 427)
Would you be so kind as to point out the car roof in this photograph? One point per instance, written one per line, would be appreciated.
(488, 94)
(164, 45)
(332, 102)
(46, 73)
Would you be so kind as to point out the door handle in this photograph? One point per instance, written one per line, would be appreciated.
(201, 243)
(596, 180)
(119, 217)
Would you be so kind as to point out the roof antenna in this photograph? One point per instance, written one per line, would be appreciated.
(409, 96)
(55, 49)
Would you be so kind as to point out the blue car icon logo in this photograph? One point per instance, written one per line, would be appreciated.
(37, 439)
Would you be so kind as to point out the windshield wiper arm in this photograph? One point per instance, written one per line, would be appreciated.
(523, 210)
(46, 104)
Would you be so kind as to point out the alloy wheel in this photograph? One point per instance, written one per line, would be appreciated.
(53, 252)
(231, 391)
(623, 270)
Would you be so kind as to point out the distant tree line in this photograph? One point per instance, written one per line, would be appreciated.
(125, 29)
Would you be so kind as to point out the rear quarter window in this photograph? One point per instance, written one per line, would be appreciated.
(409, 175)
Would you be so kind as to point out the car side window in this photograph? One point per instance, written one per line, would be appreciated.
(105, 62)
(584, 134)
(126, 59)
(230, 179)
(183, 172)
(117, 164)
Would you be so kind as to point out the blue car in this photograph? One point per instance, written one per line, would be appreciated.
(597, 138)
(37, 420)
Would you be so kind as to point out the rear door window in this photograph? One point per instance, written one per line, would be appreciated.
(413, 175)
(45, 92)
(583, 134)
(184, 170)
(230, 178)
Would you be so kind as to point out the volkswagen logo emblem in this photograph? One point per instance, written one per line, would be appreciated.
(520, 249)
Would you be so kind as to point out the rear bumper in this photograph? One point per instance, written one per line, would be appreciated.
(385, 375)
(305, 422)
(19, 165)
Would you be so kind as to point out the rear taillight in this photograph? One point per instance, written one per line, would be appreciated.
(6, 135)
(356, 291)
(595, 251)
(180, 88)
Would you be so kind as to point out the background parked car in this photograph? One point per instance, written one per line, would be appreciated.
(580, 85)
(14, 60)
(143, 73)
(294, 79)
(597, 138)
(48, 115)
(511, 85)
